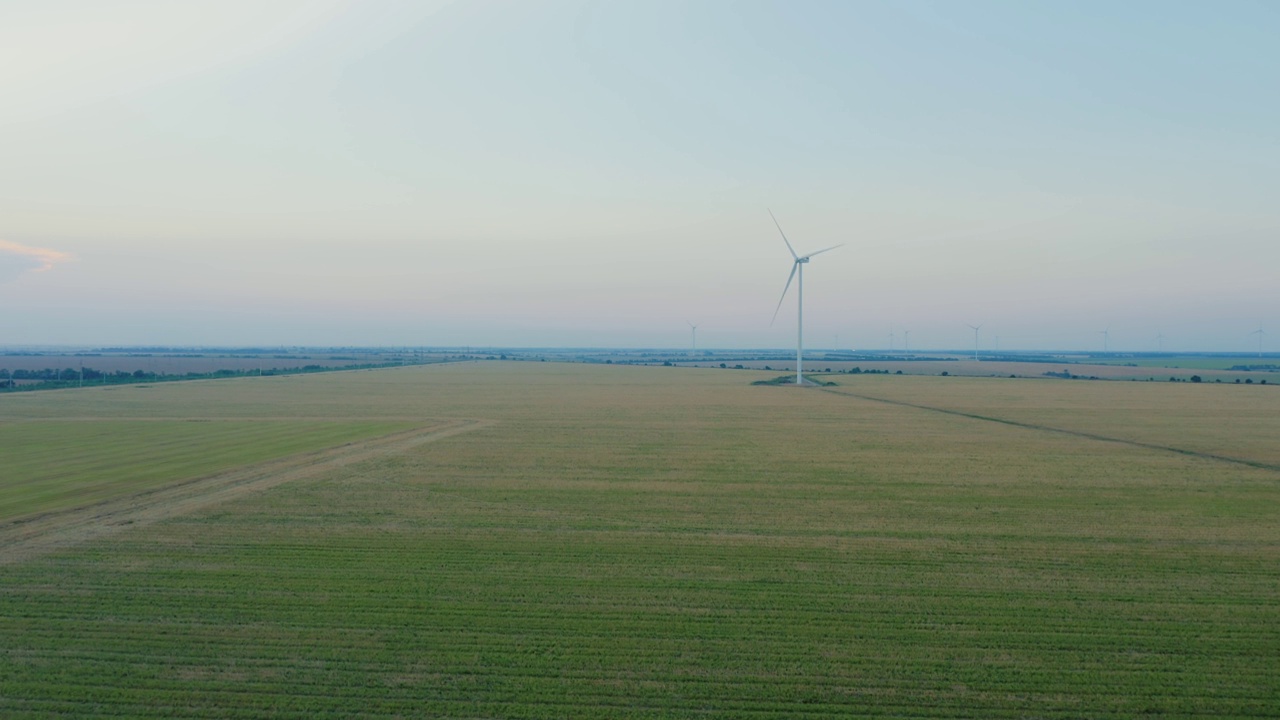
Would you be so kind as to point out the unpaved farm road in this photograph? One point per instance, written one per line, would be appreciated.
(30, 537)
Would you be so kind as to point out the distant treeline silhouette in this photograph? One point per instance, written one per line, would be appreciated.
(54, 378)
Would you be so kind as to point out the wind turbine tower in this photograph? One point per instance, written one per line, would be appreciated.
(1106, 339)
(906, 341)
(975, 340)
(693, 329)
(797, 268)
(1260, 333)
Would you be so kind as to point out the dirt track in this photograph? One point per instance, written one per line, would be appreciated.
(30, 537)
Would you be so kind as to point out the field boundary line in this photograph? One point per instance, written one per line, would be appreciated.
(1074, 433)
(31, 536)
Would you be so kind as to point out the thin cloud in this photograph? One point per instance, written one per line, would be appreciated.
(44, 258)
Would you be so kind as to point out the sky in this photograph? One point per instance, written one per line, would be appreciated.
(571, 173)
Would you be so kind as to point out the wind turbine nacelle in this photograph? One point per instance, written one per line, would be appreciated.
(802, 260)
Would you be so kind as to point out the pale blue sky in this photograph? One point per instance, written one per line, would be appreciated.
(582, 173)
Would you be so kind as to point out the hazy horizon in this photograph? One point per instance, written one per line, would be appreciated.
(583, 174)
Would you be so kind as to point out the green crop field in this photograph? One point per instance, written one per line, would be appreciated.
(544, 540)
(53, 465)
(1202, 362)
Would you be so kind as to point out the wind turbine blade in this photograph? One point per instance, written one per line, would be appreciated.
(785, 288)
(784, 236)
(833, 247)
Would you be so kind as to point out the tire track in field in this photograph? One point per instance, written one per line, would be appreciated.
(29, 537)
(1074, 433)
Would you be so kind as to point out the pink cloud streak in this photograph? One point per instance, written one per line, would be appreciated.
(46, 257)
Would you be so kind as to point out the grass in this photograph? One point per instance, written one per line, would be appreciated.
(660, 542)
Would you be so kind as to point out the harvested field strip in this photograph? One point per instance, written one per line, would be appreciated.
(174, 494)
(1046, 428)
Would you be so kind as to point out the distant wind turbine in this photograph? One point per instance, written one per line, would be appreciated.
(694, 330)
(906, 341)
(1106, 338)
(1159, 341)
(1260, 333)
(890, 341)
(797, 267)
(975, 340)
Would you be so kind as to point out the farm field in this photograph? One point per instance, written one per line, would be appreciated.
(52, 465)
(1212, 362)
(1002, 368)
(60, 370)
(174, 364)
(1238, 422)
(546, 540)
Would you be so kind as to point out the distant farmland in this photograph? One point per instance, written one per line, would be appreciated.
(550, 540)
(60, 370)
(1003, 368)
(181, 364)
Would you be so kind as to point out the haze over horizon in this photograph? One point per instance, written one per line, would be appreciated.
(560, 173)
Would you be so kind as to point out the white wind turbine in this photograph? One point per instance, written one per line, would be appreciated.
(694, 330)
(1106, 339)
(975, 328)
(796, 267)
(1260, 333)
